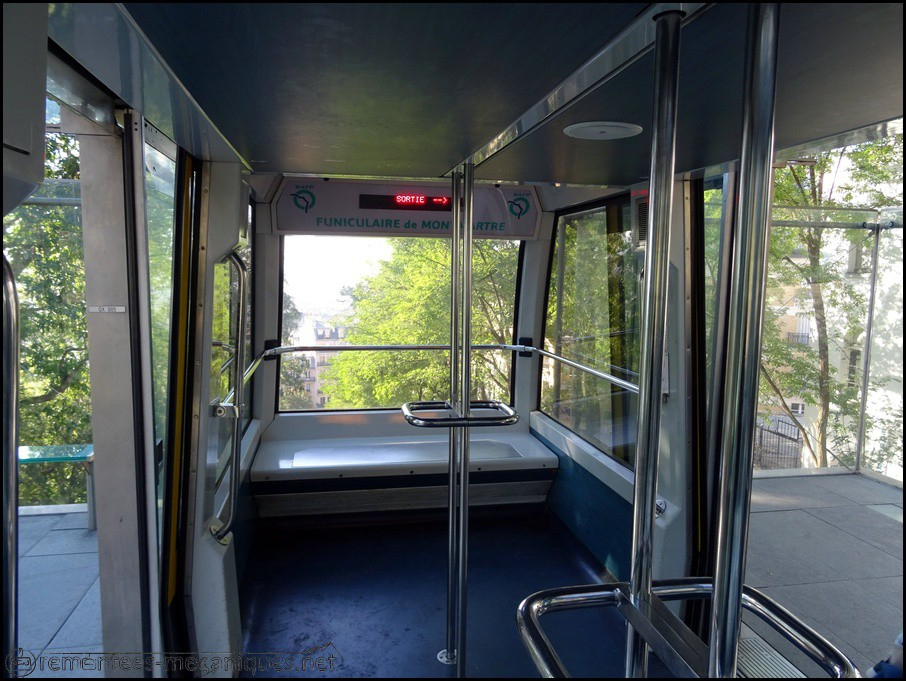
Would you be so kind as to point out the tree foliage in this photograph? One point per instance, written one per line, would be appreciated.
(43, 244)
(407, 301)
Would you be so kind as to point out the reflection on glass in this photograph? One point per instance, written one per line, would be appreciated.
(592, 318)
(224, 344)
(160, 206)
(245, 253)
(715, 216)
(388, 291)
(596, 410)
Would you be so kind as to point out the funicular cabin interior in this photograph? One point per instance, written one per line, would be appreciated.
(402, 320)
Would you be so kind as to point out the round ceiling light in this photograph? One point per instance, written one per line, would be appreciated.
(602, 130)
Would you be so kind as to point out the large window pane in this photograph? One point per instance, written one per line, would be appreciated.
(388, 291)
(160, 206)
(42, 239)
(592, 318)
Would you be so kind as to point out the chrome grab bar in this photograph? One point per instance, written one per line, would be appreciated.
(549, 664)
(275, 352)
(234, 410)
(10, 459)
(507, 418)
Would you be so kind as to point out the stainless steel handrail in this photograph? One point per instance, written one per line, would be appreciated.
(10, 461)
(222, 530)
(508, 418)
(626, 385)
(610, 378)
(274, 352)
(549, 664)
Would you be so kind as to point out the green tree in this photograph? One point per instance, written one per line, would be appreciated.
(811, 274)
(408, 302)
(295, 370)
(43, 244)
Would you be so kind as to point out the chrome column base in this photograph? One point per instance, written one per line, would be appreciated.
(446, 658)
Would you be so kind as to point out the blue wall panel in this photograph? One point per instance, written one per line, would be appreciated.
(599, 517)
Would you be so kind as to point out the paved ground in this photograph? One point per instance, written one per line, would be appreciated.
(830, 550)
(59, 591)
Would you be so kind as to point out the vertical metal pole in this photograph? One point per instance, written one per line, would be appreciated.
(466, 394)
(866, 354)
(448, 654)
(750, 249)
(10, 464)
(654, 323)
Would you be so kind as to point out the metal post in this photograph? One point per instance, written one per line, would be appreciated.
(448, 654)
(866, 354)
(10, 463)
(654, 323)
(749, 265)
(466, 394)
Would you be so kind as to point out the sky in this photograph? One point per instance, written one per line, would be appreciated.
(316, 268)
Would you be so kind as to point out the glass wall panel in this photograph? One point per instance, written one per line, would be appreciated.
(883, 448)
(160, 211)
(817, 301)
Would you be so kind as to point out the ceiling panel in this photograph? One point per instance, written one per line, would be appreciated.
(414, 89)
(384, 89)
(840, 67)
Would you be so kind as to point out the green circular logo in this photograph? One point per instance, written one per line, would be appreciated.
(304, 200)
(518, 207)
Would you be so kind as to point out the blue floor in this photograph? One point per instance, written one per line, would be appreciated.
(375, 597)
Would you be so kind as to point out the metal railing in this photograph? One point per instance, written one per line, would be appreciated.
(276, 352)
(234, 409)
(10, 462)
(683, 654)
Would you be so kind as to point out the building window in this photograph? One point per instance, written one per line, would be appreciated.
(797, 408)
(797, 338)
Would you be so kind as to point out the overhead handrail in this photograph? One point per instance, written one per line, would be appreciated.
(234, 410)
(10, 459)
(548, 662)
